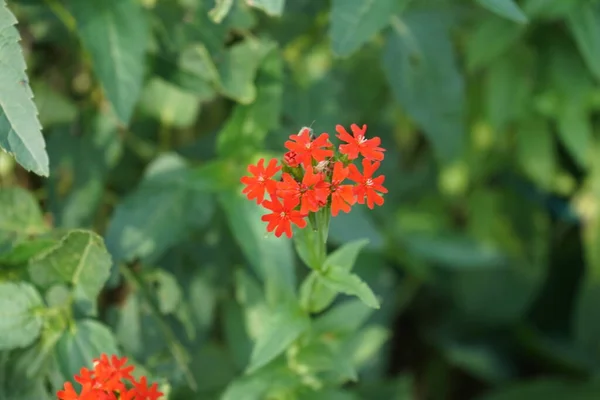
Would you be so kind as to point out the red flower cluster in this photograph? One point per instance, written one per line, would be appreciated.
(313, 177)
(107, 382)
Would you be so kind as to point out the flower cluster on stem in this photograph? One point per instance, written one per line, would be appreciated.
(110, 379)
(315, 176)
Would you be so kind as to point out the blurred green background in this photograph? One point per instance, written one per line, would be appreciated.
(485, 255)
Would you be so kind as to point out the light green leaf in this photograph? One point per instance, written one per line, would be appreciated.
(489, 40)
(54, 107)
(505, 8)
(340, 280)
(20, 324)
(271, 257)
(421, 68)
(535, 150)
(346, 317)
(169, 104)
(80, 259)
(220, 10)
(249, 295)
(584, 23)
(354, 22)
(286, 323)
(20, 129)
(168, 291)
(239, 66)
(346, 255)
(115, 32)
(273, 8)
(80, 345)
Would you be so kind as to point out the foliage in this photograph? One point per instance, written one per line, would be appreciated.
(127, 125)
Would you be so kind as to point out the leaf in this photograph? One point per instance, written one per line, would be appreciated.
(340, 280)
(20, 324)
(168, 291)
(584, 22)
(421, 68)
(273, 8)
(345, 256)
(286, 323)
(115, 32)
(239, 67)
(245, 130)
(505, 8)
(78, 346)
(489, 40)
(155, 215)
(271, 257)
(354, 22)
(170, 105)
(536, 152)
(79, 167)
(346, 317)
(20, 214)
(20, 129)
(220, 10)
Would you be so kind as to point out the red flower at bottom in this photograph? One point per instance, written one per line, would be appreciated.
(282, 217)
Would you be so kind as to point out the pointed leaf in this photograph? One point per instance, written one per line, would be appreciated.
(340, 280)
(20, 129)
(220, 10)
(354, 22)
(19, 323)
(505, 8)
(584, 22)
(80, 259)
(115, 32)
(273, 8)
(287, 322)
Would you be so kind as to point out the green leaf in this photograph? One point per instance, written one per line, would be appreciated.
(346, 317)
(169, 104)
(421, 68)
(245, 130)
(20, 129)
(489, 40)
(273, 8)
(271, 257)
(20, 214)
(239, 67)
(115, 32)
(155, 215)
(220, 10)
(346, 255)
(78, 346)
(168, 291)
(536, 152)
(53, 106)
(354, 22)
(80, 259)
(340, 280)
(584, 23)
(505, 8)
(285, 325)
(20, 324)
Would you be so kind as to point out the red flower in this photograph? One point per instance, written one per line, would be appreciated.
(307, 192)
(283, 216)
(291, 159)
(261, 181)
(342, 196)
(306, 149)
(358, 143)
(367, 185)
(146, 393)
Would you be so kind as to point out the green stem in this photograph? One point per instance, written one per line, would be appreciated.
(173, 344)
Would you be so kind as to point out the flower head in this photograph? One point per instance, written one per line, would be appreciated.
(342, 196)
(282, 216)
(359, 144)
(307, 192)
(261, 181)
(367, 186)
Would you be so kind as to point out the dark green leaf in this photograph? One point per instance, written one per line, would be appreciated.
(420, 65)
(546, 389)
(489, 40)
(115, 33)
(584, 23)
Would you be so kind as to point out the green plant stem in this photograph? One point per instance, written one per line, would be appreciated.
(173, 344)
